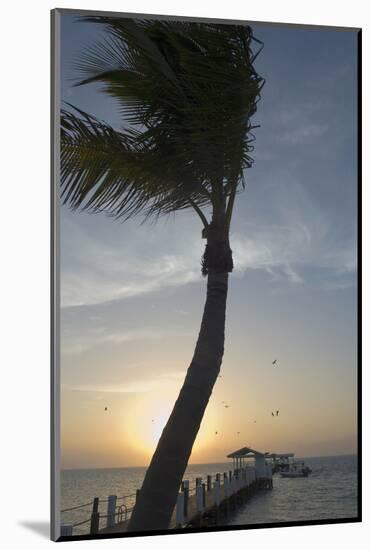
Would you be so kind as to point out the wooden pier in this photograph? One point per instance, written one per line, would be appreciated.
(207, 502)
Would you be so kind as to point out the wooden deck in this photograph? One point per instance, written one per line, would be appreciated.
(205, 501)
(210, 510)
(121, 526)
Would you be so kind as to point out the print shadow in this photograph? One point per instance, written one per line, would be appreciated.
(42, 528)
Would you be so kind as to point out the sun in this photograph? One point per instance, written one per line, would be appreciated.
(148, 418)
(157, 425)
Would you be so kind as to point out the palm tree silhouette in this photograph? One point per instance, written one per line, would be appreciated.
(187, 92)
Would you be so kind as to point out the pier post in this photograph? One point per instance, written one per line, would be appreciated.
(226, 492)
(199, 498)
(204, 495)
(217, 499)
(179, 514)
(94, 521)
(66, 530)
(226, 486)
(234, 491)
(111, 510)
(209, 483)
(230, 475)
(216, 493)
(185, 489)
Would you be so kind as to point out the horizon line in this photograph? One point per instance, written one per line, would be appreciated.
(195, 463)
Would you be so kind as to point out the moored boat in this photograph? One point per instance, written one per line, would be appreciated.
(286, 465)
(302, 471)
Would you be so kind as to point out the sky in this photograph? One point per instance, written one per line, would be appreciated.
(132, 294)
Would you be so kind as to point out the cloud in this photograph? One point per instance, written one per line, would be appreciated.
(300, 124)
(287, 252)
(272, 249)
(300, 238)
(135, 386)
(305, 133)
(80, 290)
(104, 261)
(98, 268)
(75, 343)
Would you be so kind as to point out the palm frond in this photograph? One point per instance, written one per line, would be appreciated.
(115, 172)
(188, 91)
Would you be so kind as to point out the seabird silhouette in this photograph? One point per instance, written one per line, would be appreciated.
(277, 413)
(274, 362)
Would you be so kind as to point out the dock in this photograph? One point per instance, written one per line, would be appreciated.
(208, 501)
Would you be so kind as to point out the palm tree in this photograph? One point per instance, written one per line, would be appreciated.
(186, 92)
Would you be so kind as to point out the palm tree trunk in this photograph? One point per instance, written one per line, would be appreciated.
(157, 497)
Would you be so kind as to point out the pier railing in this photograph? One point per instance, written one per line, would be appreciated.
(117, 509)
(193, 501)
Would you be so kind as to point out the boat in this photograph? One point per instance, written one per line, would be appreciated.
(281, 462)
(300, 472)
(286, 465)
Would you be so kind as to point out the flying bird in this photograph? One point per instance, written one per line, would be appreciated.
(254, 421)
(274, 362)
(272, 413)
(277, 413)
(226, 406)
(238, 433)
(216, 433)
(106, 408)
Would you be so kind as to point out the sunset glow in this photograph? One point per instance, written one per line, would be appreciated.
(132, 294)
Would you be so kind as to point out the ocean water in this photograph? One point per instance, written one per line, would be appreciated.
(329, 492)
(81, 486)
